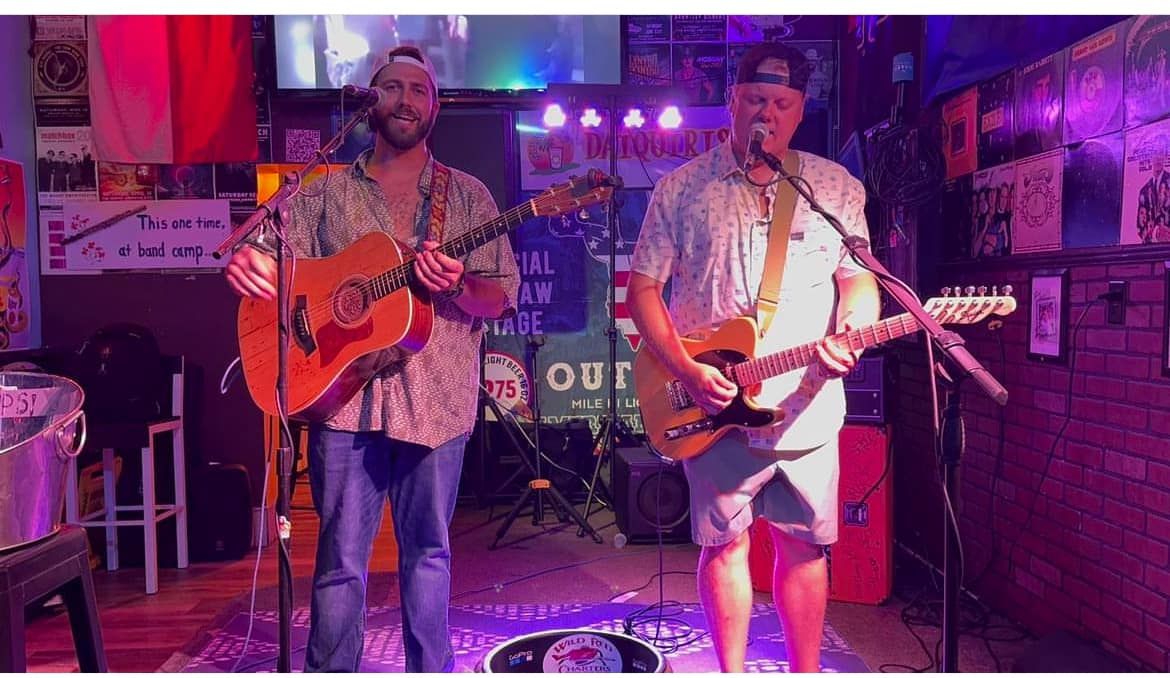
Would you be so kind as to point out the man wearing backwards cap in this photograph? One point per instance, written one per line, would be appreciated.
(706, 231)
(402, 436)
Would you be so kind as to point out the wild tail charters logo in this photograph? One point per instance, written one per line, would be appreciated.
(583, 653)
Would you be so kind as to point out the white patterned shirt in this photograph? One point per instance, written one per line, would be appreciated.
(706, 234)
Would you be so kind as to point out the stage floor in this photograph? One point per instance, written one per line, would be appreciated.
(545, 565)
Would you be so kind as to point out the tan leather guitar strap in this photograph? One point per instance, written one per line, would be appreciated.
(783, 209)
(440, 181)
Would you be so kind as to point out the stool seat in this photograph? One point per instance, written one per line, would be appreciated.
(56, 564)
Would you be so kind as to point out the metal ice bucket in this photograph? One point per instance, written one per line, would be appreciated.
(41, 427)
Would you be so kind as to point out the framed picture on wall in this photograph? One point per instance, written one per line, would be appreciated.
(1048, 317)
(1166, 323)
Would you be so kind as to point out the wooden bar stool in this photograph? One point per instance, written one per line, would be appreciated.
(58, 564)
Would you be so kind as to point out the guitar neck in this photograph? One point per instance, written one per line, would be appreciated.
(401, 275)
(765, 367)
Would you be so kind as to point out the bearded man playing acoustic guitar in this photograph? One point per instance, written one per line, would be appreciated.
(403, 435)
(706, 231)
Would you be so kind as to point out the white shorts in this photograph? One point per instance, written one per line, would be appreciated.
(795, 490)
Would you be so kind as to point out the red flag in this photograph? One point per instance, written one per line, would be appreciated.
(172, 89)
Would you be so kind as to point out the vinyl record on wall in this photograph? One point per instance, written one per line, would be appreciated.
(1039, 118)
(1092, 192)
(1093, 92)
(1147, 70)
(996, 112)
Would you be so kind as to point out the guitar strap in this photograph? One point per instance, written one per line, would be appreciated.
(783, 210)
(440, 182)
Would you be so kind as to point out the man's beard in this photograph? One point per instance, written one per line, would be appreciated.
(388, 128)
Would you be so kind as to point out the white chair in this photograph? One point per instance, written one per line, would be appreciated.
(110, 436)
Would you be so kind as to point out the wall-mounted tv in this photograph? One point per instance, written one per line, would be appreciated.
(470, 52)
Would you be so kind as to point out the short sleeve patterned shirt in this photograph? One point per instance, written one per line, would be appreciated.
(705, 233)
(430, 397)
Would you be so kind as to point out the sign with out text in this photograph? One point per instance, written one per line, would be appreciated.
(144, 234)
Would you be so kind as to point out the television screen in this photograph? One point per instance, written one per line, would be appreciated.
(469, 52)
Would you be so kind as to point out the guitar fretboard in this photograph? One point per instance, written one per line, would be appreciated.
(765, 367)
(401, 275)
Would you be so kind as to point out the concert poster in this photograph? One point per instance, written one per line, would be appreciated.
(236, 183)
(1092, 192)
(648, 28)
(701, 71)
(959, 130)
(264, 142)
(699, 28)
(956, 224)
(1037, 219)
(1039, 105)
(59, 27)
(60, 68)
(119, 181)
(648, 64)
(185, 182)
(1093, 93)
(992, 205)
(62, 111)
(760, 28)
(997, 98)
(65, 166)
(1147, 72)
(1145, 203)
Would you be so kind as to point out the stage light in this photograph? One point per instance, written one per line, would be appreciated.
(554, 116)
(590, 118)
(670, 118)
(634, 118)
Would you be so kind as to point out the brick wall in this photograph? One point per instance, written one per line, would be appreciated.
(1095, 558)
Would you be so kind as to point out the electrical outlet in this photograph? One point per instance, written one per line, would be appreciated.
(1115, 306)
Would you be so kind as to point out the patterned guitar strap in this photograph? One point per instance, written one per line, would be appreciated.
(783, 209)
(440, 182)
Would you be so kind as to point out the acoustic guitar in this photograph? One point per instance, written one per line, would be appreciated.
(679, 429)
(360, 310)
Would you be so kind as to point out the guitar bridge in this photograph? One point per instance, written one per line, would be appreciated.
(678, 396)
(302, 330)
(689, 429)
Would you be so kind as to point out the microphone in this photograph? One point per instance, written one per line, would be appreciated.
(755, 145)
(368, 97)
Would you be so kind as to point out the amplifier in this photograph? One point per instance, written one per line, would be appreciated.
(865, 401)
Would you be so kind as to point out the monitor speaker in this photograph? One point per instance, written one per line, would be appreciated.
(651, 496)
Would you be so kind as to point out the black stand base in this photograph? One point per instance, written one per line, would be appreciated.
(536, 492)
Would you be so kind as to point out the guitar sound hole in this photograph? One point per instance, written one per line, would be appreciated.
(351, 303)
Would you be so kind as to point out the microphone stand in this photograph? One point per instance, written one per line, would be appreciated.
(273, 213)
(950, 443)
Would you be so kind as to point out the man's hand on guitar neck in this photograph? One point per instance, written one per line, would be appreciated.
(436, 271)
(836, 360)
(251, 273)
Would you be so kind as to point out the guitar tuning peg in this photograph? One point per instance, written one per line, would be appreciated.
(946, 291)
(995, 290)
(969, 290)
(1007, 290)
(983, 290)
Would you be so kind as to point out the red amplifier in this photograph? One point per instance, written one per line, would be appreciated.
(861, 563)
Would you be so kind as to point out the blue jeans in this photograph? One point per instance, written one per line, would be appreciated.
(351, 476)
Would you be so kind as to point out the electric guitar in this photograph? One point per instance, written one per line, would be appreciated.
(356, 312)
(679, 429)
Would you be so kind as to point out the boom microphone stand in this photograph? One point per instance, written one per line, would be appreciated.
(273, 214)
(950, 443)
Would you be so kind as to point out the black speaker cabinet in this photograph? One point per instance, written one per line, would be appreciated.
(650, 496)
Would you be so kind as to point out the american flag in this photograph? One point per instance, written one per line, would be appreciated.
(589, 226)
